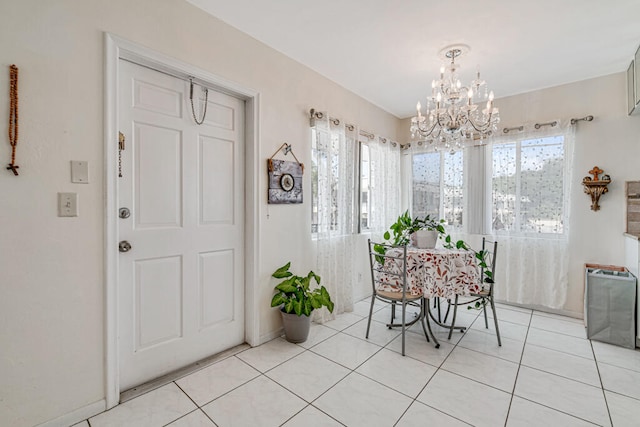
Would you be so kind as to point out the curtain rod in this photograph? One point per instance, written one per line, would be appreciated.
(554, 123)
(369, 135)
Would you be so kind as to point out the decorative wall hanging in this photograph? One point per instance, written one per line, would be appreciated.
(285, 178)
(13, 117)
(596, 186)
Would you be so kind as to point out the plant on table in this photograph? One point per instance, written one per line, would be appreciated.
(404, 227)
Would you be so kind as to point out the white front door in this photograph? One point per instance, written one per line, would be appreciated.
(181, 285)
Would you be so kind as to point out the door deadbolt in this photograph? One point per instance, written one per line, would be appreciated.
(124, 246)
(124, 213)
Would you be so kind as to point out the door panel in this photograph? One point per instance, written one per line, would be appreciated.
(148, 96)
(158, 176)
(216, 302)
(158, 280)
(220, 115)
(181, 286)
(216, 178)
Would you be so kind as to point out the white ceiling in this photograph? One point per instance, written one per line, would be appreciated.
(387, 51)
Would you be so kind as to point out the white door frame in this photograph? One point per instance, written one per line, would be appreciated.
(117, 48)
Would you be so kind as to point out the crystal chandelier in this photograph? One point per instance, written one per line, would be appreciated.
(454, 117)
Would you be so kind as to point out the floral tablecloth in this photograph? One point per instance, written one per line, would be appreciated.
(433, 272)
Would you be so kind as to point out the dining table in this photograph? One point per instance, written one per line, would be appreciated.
(437, 272)
(434, 273)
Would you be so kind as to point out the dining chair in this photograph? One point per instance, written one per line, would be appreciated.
(389, 284)
(485, 295)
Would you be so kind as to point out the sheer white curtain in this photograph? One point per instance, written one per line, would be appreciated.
(530, 186)
(384, 186)
(334, 160)
(438, 185)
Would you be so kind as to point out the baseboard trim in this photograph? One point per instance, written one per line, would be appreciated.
(271, 335)
(562, 312)
(78, 415)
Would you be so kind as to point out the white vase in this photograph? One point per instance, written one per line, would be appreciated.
(424, 239)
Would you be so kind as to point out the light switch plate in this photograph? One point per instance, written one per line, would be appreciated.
(67, 204)
(79, 171)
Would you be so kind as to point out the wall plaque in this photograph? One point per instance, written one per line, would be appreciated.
(285, 182)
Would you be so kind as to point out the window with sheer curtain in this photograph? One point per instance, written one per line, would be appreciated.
(331, 160)
(527, 186)
(438, 186)
(377, 195)
(379, 184)
(336, 188)
(515, 188)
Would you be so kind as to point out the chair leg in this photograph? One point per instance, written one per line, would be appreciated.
(404, 311)
(495, 320)
(453, 320)
(484, 310)
(373, 300)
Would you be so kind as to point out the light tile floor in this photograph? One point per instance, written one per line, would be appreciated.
(545, 374)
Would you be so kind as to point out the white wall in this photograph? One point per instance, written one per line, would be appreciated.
(51, 284)
(611, 141)
(52, 316)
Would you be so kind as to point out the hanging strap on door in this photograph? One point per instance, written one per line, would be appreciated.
(206, 99)
(120, 150)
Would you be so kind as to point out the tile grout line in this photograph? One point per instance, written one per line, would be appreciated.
(353, 371)
(414, 400)
(606, 402)
(515, 382)
(198, 407)
(549, 373)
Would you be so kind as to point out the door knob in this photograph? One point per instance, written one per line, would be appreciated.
(124, 246)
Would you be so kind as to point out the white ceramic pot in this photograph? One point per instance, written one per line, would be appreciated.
(424, 239)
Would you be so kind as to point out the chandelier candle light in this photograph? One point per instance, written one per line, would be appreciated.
(453, 118)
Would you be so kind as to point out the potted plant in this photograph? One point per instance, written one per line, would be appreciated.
(297, 300)
(421, 232)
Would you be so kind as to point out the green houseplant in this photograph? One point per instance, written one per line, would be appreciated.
(405, 226)
(297, 300)
(401, 231)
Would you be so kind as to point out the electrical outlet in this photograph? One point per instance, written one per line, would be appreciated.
(67, 204)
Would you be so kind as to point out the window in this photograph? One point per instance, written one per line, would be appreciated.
(438, 186)
(527, 186)
(355, 180)
(366, 183)
(326, 167)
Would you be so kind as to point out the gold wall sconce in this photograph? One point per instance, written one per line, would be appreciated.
(596, 186)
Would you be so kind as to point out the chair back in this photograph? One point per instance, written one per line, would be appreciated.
(388, 266)
(489, 251)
